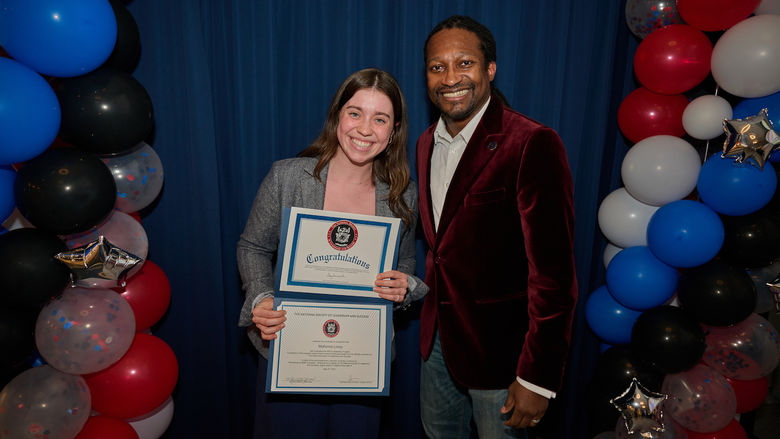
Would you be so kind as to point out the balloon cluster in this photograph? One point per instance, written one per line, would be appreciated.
(693, 249)
(77, 294)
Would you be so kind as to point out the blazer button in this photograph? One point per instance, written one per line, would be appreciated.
(437, 260)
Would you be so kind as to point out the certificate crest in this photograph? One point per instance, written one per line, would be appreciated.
(331, 328)
(342, 235)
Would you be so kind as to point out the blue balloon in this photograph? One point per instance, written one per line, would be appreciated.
(638, 280)
(733, 188)
(609, 320)
(685, 233)
(752, 106)
(61, 38)
(7, 200)
(29, 113)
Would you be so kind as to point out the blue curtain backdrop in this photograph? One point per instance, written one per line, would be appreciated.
(237, 84)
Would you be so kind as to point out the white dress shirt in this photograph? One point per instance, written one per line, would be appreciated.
(447, 151)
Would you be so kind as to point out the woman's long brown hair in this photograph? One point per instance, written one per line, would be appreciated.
(391, 165)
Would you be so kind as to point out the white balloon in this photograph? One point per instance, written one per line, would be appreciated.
(623, 219)
(153, 424)
(703, 117)
(768, 7)
(660, 169)
(746, 58)
(609, 252)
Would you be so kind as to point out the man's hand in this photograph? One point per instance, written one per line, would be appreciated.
(268, 321)
(527, 407)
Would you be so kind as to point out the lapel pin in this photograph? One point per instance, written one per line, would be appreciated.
(492, 145)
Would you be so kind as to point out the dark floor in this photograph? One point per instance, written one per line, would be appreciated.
(767, 422)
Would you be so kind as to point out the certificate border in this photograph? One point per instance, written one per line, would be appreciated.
(286, 260)
(296, 230)
(272, 374)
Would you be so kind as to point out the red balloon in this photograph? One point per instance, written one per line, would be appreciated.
(673, 59)
(136, 215)
(643, 114)
(750, 393)
(138, 383)
(711, 15)
(731, 431)
(102, 427)
(149, 295)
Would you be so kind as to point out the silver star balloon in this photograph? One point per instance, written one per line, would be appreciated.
(752, 138)
(99, 259)
(641, 410)
(774, 287)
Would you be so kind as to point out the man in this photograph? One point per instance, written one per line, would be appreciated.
(496, 211)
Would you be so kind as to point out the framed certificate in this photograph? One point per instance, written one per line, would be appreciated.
(338, 333)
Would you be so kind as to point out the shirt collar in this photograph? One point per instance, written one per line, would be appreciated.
(467, 131)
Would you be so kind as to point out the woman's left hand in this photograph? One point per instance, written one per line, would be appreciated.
(391, 285)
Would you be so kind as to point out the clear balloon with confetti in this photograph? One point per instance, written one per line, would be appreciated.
(138, 176)
(85, 330)
(43, 402)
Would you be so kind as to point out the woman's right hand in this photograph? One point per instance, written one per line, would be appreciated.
(267, 320)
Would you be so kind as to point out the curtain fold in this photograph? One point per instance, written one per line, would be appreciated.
(237, 84)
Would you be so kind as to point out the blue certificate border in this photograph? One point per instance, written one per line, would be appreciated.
(329, 218)
(341, 390)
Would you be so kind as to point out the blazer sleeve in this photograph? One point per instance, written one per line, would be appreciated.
(258, 244)
(406, 257)
(545, 204)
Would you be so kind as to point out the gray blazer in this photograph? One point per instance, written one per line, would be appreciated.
(289, 183)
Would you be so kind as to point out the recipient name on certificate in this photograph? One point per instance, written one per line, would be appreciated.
(330, 348)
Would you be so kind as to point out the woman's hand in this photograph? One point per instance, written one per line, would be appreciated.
(268, 321)
(391, 285)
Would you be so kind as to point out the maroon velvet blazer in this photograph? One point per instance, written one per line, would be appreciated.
(501, 265)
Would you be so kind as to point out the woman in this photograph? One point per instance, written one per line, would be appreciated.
(357, 164)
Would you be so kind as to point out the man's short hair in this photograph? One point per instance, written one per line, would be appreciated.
(487, 44)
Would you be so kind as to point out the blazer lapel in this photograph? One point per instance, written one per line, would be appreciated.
(312, 190)
(484, 143)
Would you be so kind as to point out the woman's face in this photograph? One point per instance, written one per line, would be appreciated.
(365, 126)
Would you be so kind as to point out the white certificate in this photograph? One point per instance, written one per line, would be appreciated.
(331, 347)
(335, 253)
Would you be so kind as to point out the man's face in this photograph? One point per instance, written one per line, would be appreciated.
(458, 76)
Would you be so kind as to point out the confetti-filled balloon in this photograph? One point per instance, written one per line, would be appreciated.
(700, 399)
(44, 402)
(138, 176)
(745, 351)
(85, 330)
(645, 16)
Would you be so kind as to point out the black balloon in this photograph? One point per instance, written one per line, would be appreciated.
(29, 274)
(127, 50)
(717, 293)
(668, 338)
(614, 370)
(106, 111)
(752, 240)
(618, 365)
(65, 191)
(17, 337)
